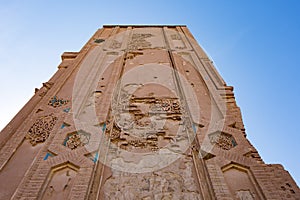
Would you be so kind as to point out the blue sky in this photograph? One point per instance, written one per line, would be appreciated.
(255, 46)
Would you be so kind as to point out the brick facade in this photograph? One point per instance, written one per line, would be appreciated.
(140, 112)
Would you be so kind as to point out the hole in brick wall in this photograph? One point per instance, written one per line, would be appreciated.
(97, 93)
(292, 191)
(39, 110)
(99, 40)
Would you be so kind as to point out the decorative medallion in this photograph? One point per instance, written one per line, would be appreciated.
(41, 129)
(223, 140)
(77, 139)
(56, 102)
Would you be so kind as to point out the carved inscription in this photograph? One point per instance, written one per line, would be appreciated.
(138, 41)
(115, 44)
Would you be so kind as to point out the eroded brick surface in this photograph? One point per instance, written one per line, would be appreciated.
(139, 113)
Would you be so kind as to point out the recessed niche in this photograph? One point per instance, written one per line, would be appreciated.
(240, 182)
(60, 182)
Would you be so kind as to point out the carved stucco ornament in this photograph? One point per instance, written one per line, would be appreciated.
(115, 44)
(40, 130)
(138, 41)
(133, 128)
(76, 139)
(57, 102)
(224, 140)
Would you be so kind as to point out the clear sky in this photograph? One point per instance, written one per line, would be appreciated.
(254, 44)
